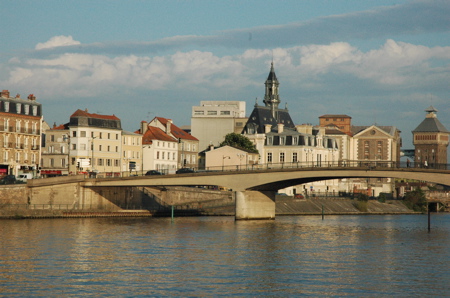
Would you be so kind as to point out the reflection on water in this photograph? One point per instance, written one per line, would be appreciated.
(216, 256)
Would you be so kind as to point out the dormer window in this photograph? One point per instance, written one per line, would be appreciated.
(18, 108)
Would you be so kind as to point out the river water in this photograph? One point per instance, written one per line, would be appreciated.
(368, 256)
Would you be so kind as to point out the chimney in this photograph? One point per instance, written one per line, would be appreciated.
(267, 127)
(144, 127)
(5, 94)
(280, 127)
(31, 97)
(211, 147)
(17, 95)
(169, 126)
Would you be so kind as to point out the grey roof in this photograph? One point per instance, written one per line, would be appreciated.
(430, 125)
(388, 129)
(261, 116)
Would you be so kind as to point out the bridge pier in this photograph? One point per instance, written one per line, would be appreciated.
(252, 204)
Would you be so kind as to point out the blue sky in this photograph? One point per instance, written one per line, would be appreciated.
(380, 61)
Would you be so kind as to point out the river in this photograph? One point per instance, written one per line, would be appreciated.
(368, 256)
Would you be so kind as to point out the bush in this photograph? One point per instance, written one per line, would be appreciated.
(362, 197)
(361, 205)
(382, 198)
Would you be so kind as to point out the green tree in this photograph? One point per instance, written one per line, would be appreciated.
(416, 200)
(239, 141)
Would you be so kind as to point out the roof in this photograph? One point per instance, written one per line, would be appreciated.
(430, 125)
(261, 116)
(388, 129)
(81, 113)
(156, 134)
(335, 116)
(272, 76)
(60, 127)
(176, 131)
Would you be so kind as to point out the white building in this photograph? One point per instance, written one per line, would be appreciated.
(213, 120)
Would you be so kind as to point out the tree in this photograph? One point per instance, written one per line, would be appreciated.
(239, 141)
(416, 200)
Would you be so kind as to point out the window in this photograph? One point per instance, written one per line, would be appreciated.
(199, 112)
(34, 110)
(109, 136)
(282, 140)
(99, 147)
(83, 134)
(100, 161)
(225, 113)
(269, 157)
(109, 148)
(52, 138)
(269, 141)
(27, 109)
(157, 154)
(74, 146)
(212, 112)
(294, 157)
(108, 162)
(6, 106)
(74, 134)
(18, 108)
(281, 156)
(295, 141)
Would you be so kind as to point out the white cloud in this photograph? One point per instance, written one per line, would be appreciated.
(301, 68)
(57, 41)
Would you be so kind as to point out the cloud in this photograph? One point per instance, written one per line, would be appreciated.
(57, 41)
(412, 18)
(310, 68)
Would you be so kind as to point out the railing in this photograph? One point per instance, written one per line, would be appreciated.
(369, 165)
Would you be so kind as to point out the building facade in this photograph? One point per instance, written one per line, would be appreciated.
(187, 144)
(131, 153)
(430, 141)
(55, 151)
(213, 120)
(95, 144)
(20, 134)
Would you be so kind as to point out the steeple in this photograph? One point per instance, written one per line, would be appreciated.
(272, 98)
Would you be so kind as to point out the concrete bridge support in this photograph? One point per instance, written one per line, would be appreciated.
(255, 205)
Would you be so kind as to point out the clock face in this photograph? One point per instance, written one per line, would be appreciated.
(372, 132)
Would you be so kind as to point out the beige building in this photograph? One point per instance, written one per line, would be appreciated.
(20, 134)
(95, 144)
(55, 151)
(213, 120)
(227, 158)
(131, 153)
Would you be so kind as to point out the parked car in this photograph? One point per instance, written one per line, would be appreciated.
(299, 196)
(153, 172)
(8, 179)
(185, 171)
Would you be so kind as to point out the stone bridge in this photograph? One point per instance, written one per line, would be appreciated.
(255, 189)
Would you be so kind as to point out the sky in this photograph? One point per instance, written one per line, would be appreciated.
(379, 61)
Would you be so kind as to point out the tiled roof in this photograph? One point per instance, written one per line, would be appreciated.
(60, 127)
(81, 113)
(261, 116)
(176, 131)
(156, 134)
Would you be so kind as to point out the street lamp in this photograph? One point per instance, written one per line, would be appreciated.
(223, 161)
(240, 156)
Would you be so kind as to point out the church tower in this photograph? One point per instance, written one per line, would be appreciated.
(271, 97)
(430, 140)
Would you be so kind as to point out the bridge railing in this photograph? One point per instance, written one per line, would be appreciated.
(369, 164)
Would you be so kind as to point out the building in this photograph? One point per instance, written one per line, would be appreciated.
(188, 145)
(159, 149)
(20, 134)
(227, 158)
(430, 141)
(213, 120)
(282, 143)
(95, 144)
(372, 145)
(55, 150)
(131, 153)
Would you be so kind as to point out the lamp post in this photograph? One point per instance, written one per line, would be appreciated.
(223, 161)
(92, 154)
(241, 156)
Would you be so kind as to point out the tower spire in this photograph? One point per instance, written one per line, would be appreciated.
(272, 98)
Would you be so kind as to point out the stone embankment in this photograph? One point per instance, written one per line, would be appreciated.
(338, 206)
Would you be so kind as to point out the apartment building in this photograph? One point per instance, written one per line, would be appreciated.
(20, 134)
(211, 121)
(131, 153)
(95, 144)
(55, 150)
